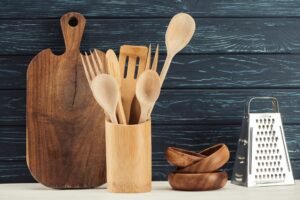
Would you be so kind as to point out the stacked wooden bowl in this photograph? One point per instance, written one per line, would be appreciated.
(198, 171)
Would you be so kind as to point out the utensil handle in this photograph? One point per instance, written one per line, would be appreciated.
(121, 113)
(72, 25)
(275, 104)
(165, 68)
(113, 118)
(145, 113)
(150, 112)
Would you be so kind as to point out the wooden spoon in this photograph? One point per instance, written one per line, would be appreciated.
(114, 70)
(106, 92)
(147, 92)
(180, 31)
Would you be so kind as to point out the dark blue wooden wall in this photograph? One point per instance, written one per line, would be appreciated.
(241, 48)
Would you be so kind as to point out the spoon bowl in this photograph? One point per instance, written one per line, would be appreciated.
(179, 33)
(106, 92)
(147, 92)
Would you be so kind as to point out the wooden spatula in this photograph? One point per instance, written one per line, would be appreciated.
(113, 68)
(132, 61)
(65, 125)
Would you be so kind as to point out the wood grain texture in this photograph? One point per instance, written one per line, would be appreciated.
(13, 71)
(128, 157)
(198, 182)
(154, 8)
(129, 58)
(195, 137)
(192, 137)
(241, 48)
(12, 143)
(193, 106)
(15, 172)
(219, 106)
(196, 71)
(181, 157)
(216, 157)
(64, 125)
(213, 35)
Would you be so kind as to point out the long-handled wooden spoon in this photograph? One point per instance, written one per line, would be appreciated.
(180, 31)
(114, 70)
(155, 60)
(147, 92)
(106, 92)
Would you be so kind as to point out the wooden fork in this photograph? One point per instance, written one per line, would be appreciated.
(91, 71)
(97, 58)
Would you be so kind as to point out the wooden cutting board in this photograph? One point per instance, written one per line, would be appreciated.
(65, 125)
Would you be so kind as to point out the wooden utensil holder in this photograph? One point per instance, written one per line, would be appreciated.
(128, 157)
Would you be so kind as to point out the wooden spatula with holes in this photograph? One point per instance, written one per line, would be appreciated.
(65, 125)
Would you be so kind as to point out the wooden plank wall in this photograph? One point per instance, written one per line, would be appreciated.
(241, 48)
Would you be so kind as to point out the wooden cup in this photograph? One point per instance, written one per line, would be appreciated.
(128, 157)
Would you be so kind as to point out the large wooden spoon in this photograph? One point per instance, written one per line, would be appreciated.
(113, 68)
(106, 92)
(147, 92)
(180, 31)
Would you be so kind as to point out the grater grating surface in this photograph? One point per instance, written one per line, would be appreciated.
(262, 156)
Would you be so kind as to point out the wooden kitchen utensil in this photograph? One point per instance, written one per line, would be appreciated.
(147, 93)
(181, 157)
(180, 31)
(132, 60)
(99, 59)
(215, 157)
(65, 125)
(92, 66)
(128, 153)
(148, 58)
(198, 182)
(105, 87)
(114, 70)
(155, 60)
(106, 92)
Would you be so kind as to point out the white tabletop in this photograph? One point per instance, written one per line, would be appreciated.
(160, 191)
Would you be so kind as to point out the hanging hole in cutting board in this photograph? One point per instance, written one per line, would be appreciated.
(73, 22)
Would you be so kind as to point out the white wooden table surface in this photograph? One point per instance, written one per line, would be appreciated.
(160, 191)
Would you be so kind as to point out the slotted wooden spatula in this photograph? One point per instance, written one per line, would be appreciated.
(65, 125)
(132, 61)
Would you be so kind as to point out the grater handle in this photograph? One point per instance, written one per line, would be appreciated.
(275, 104)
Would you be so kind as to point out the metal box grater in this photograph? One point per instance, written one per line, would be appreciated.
(262, 157)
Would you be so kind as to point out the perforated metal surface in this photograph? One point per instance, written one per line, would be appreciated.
(268, 156)
(262, 156)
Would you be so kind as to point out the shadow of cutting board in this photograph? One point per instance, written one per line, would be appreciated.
(65, 125)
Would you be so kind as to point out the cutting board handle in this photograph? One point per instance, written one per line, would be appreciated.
(72, 25)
